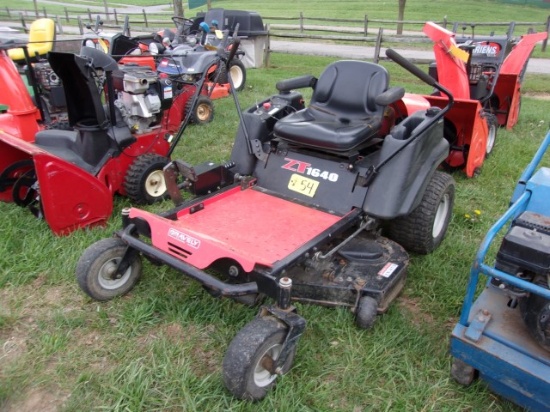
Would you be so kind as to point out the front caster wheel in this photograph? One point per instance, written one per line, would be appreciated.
(95, 271)
(366, 312)
(248, 364)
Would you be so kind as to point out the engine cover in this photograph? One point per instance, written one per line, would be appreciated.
(141, 96)
(526, 246)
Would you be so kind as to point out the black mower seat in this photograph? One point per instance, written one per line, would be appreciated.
(343, 114)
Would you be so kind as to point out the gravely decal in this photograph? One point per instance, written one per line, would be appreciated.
(184, 238)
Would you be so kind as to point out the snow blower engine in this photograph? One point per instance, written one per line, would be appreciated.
(141, 97)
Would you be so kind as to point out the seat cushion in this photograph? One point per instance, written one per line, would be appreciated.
(343, 113)
(313, 128)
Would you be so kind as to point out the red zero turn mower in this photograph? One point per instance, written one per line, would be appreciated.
(484, 76)
(297, 214)
(69, 177)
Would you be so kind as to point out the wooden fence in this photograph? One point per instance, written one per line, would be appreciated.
(364, 31)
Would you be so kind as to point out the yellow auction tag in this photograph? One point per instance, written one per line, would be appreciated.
(459, 53)
(303, 185)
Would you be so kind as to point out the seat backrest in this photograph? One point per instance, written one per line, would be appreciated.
(41, 40)
(349, 88)
(41, 36)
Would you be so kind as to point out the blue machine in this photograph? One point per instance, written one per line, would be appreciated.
(504, 335)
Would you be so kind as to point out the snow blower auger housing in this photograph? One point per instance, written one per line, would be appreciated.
(296, 214)
(484, 74)
(69, 177)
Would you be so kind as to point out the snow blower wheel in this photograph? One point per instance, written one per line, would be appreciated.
(144, 182)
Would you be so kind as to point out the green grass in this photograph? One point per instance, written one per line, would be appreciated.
(160, 348)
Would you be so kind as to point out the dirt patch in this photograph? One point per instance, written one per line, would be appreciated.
(12, 348)
(206, 361)
(413, 308)
(37, 399)
(539, 96)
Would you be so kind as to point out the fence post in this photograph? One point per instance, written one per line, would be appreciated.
(445, 22)
(366, 25)
(301, 22)
(267, 48)
(378, 45)
(145, 18)
(58, 23)
(106, 10)
(23, 23)
(45, 13)
(116, 16)
(8, 11)
(66, 15)
(89, 15)
(545, 41)
(126, 27)
(80, 26)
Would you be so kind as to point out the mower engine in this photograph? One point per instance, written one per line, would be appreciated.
(141, 97)
(525, 252)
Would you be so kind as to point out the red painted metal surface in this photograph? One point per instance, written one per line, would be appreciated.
(248, 226)
(113, 172)
(22, 116)
(471, 131)
(519, 56)
(71, 198)
(450, 69)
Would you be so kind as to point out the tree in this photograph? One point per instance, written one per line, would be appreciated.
(401, 16)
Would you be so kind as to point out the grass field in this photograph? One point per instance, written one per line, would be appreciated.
(160, 348)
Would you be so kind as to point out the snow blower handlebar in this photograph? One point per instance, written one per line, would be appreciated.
(425, 77)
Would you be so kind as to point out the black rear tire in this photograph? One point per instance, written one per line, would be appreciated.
(237, 71)
(244, 366)
(423, 230)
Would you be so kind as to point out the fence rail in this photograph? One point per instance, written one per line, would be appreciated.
(364, 30)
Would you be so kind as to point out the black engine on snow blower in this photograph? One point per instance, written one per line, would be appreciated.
(525, 251)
